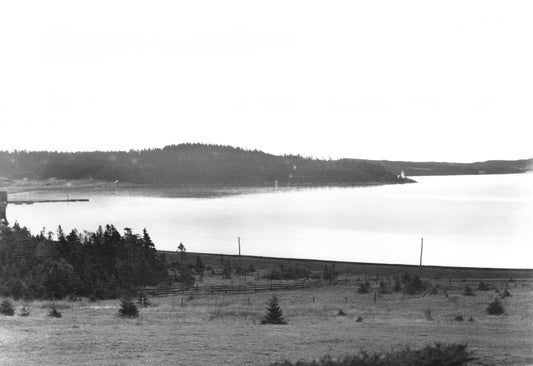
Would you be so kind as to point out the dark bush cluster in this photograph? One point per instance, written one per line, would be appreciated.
(431, 355)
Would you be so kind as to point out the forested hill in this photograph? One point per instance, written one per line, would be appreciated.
(192, 164)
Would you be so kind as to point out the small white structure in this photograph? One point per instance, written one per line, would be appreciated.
(401, 175)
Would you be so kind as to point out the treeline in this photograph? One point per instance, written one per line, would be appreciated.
(191, 164)
(97, 265)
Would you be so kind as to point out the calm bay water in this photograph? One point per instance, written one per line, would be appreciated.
(483, 221)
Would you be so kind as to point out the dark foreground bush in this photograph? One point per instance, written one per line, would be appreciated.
(435, 355)
(128, 309)
(6, 308)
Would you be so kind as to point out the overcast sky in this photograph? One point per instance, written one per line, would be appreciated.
(417, 80)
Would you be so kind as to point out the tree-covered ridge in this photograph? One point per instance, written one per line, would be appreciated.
(97, 265)
(191, 164)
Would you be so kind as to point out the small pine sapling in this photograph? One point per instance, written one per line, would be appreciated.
(53, 312)
(468, 291)
(274, 313)
(495, 307)
(128, 309)
(382, 287)
(6, 308)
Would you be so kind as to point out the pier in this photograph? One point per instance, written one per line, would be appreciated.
(4, 202)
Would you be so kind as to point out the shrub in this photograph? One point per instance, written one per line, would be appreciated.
(382, 287)
(359, 319)
(434, 291)
(329, 273)
(413, 286)
(274, 313)
(505, 294)
(482, 286)
(6, 308)
(128, 309)
(341, 313)
(459, 318)
(468, 291)
(363, 288)
(451, 355)
(397, 285)
(24, 311)
(495, 307)
(471, 319)
(53, 312)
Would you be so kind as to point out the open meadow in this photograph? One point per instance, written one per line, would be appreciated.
(225, 329)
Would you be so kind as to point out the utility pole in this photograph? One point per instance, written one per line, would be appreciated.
(421, 252)
(240, 264)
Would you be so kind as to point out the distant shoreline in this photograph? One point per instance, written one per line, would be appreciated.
(14, 187)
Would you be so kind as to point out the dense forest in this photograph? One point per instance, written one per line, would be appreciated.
(192, 164)
(102, 264)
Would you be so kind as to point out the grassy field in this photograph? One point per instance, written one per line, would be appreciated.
(226, 330)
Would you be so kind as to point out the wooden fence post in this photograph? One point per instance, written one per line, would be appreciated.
(375, 296)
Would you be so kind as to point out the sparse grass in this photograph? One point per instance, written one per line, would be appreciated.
(225, 329)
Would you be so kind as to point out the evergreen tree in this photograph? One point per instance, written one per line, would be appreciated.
(128, 309)
(274, 314)
(495, 308)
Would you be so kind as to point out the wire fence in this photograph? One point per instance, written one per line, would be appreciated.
(240, 289)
